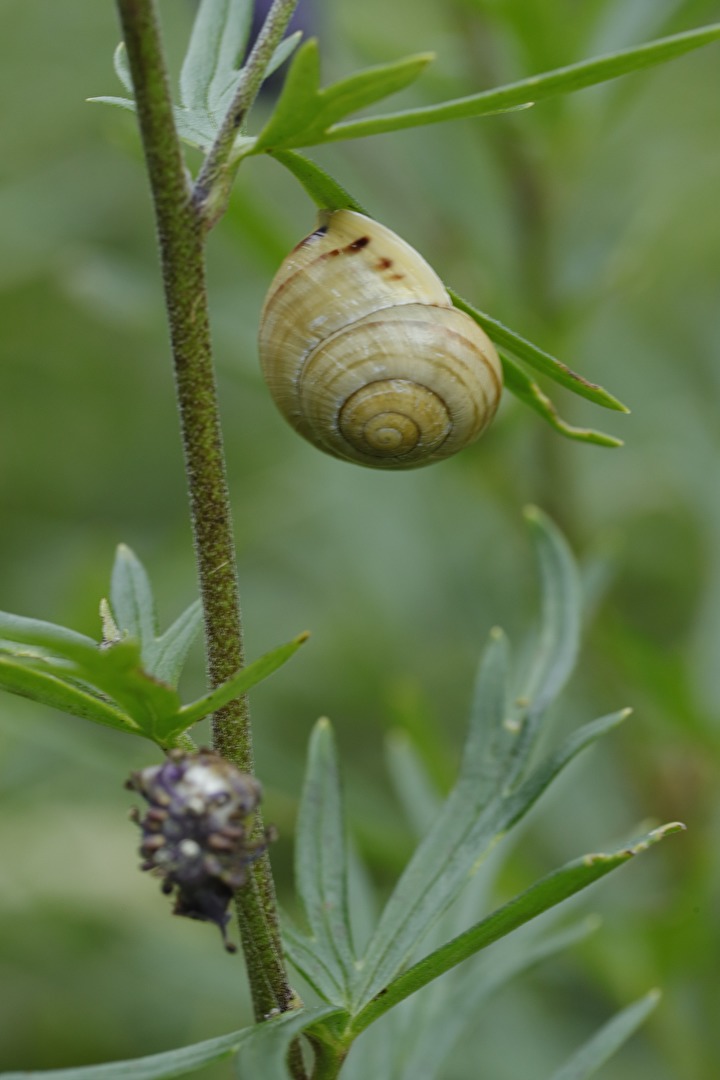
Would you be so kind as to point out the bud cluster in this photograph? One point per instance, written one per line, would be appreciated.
(196, 831)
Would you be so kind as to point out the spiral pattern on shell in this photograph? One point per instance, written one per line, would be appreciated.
(365, 355)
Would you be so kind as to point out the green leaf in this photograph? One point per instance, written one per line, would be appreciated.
(114, 670)
(218, 38)
(132, 602)
(559, 639)
(527, 391)
(263, 1055)
(414, 788)
(442, 863)
(283, 52)
(45, 635)
(544, 894)
(563, 80)
(317, 969)
(500, 740)
(171, 648)
(49, 689)
(448, 1007)
(304, 112)
(133, 607)
(172, 1063)
(542, 361)
(271, 1037)
(326, 192)
(597, 1050)
(118, 672)
(321, 857)
(122, 67)
(523, 797)
(237, 685)
(123, 103)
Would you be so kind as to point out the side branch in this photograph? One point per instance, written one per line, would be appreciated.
(213, 184)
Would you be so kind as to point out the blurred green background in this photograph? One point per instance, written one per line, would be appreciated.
(592, 225)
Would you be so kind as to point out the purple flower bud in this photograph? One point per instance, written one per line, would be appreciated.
(195, 834)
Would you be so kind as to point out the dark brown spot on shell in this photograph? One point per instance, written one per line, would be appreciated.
(383, 264)
(357, 245)
(396, 277)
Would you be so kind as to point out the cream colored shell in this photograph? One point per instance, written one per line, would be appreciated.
(365, 354)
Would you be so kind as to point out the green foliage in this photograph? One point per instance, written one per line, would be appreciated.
(308, 115)
(42, 669)
(496, 787)
(127, 681)
(305, 113)
(261, 1046)
(597, 1050)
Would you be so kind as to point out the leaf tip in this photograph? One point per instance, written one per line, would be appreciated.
(497, 633)
(302, 638)
(624, 713)
(669, 829)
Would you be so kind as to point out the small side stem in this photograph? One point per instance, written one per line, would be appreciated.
(181, 235)
(213, 184)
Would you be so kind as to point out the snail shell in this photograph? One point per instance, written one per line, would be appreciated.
(365, 354)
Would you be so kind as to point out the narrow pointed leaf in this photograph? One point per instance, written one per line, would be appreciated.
(116, 670)
(189, 1059)
(263, 1054)
(500, 739)
(122, 67)
(49, 689)
(559, 638)
(443, 861)
(45, 635)
(544, 894)
(598, 1049)
(321, 856)
(171, 648)
(526, 795)
(132, 601)
(218, 37)
(283, 52)
(494, 734)
(297, 104)
(123, 103)
(449, 1007)
(221, 102)
(563, 80)
(526, 390)
(306, 956)
(304, 112)
(325, 191)
(414, 789)
(237, 685)
(173, 1063)
(537, 358)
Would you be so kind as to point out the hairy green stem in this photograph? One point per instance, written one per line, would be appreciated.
(181, 233)
(213, 183)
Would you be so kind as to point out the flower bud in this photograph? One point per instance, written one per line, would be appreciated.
(195, 834)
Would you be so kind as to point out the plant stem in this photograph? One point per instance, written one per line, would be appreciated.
(181, 235)
(213, 184)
